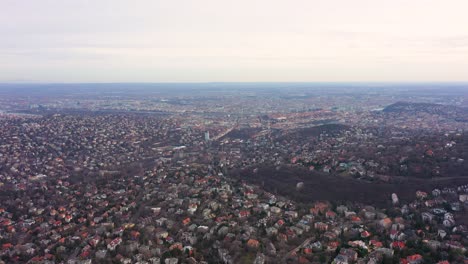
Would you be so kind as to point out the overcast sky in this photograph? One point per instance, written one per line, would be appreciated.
(233, 41)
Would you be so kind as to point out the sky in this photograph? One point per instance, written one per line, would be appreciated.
(233, 41)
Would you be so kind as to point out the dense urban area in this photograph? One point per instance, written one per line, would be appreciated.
(234, 173)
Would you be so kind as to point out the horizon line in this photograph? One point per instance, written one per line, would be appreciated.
(242, 82)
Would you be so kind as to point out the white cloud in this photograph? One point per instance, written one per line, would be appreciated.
(244, 40)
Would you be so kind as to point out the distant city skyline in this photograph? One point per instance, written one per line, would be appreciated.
(234, 41)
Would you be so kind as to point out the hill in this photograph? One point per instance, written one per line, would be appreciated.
(456, 113)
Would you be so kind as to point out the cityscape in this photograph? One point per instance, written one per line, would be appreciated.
(282, 173)
(233, 132)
